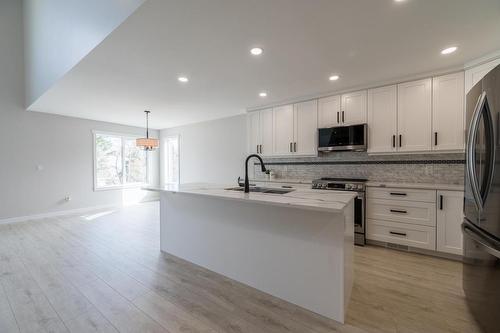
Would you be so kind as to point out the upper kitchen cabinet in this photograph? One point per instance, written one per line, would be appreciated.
(283, 130)
(474, 74)
(382, 119)
(254, 138)
(414, 116)
(329, 112)
(306, 128)
(448, 112)
(266, 132)
(353, 108)
(260, 132)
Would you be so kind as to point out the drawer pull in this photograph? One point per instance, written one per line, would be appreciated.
(398, 193)
(397, 233)
(399, 211)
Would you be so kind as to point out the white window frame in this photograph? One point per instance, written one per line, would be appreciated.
(122, 136)
(164, 156)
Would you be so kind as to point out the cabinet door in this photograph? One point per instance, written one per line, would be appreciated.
(414, 116)
(306, 128)
(449, 220)
(253, 131)
(266, 132)
(382, 119)
(329, 112)
(353, 108)
(283, 130)
(448, 112)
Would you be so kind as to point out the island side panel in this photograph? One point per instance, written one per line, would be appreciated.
(294, 254)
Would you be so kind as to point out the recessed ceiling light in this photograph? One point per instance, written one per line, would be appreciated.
(256, 51)
(449, 50)
(183, 79)
(263, 94)
(399, 0)
(334, 78)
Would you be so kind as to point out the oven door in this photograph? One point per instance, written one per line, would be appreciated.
(359, 219)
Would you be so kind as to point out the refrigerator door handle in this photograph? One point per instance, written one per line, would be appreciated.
(471, 143)
(482, 241)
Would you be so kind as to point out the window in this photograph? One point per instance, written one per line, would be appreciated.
(171, 159)
(118, 162)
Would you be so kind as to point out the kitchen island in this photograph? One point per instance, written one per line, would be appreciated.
(297, 246)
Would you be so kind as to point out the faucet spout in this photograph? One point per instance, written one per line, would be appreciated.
(262, 167)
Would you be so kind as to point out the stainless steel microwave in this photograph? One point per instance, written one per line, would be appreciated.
(353, 137)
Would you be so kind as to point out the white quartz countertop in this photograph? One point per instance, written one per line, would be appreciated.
(424, 186)
(302, 197)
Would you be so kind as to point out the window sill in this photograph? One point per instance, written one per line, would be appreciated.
(120, 187)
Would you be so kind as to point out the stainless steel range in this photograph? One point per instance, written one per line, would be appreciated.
(348, 184)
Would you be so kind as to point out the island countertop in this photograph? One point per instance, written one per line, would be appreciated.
(301, 197)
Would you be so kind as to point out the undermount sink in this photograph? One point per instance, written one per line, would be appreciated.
(262, 190)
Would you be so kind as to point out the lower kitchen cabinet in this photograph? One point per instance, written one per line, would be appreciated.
(414, 235)
(449, 220)
(426, 219)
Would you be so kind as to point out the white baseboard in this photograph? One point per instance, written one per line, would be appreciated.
(63, 212)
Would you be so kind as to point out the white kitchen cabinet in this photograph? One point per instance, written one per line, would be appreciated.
(353, 108)
(475, 74)
(329, 112)
(260, 132)
(414, 116)
(382, 119)
(448, 112)
(305, 128)
(283, 130)
(449, 220)
(266, 132)
(254, 138)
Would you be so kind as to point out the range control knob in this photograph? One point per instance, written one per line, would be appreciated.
(348, 186)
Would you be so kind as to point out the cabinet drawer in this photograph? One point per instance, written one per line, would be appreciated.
(401, 233)
(401, 194)
(414, 212)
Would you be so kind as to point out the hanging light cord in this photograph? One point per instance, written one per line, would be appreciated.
(147, 124)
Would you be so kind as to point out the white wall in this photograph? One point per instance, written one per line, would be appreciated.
(212, 151)
(62, 145)
(59, 33)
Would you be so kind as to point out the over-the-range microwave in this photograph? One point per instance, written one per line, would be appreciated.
(353, 137)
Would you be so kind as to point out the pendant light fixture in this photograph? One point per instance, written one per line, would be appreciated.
(147, 143)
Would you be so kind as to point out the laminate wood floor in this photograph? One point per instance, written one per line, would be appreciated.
(103, 272)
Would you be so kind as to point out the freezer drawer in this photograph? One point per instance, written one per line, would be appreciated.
(481, 278)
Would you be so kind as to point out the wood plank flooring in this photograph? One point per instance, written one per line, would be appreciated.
(103, 272)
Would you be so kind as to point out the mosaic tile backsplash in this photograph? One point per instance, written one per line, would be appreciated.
(420, 168)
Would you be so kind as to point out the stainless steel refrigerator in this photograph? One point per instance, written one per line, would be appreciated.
(481, 225)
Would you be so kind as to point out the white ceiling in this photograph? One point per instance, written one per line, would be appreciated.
(304, 41)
